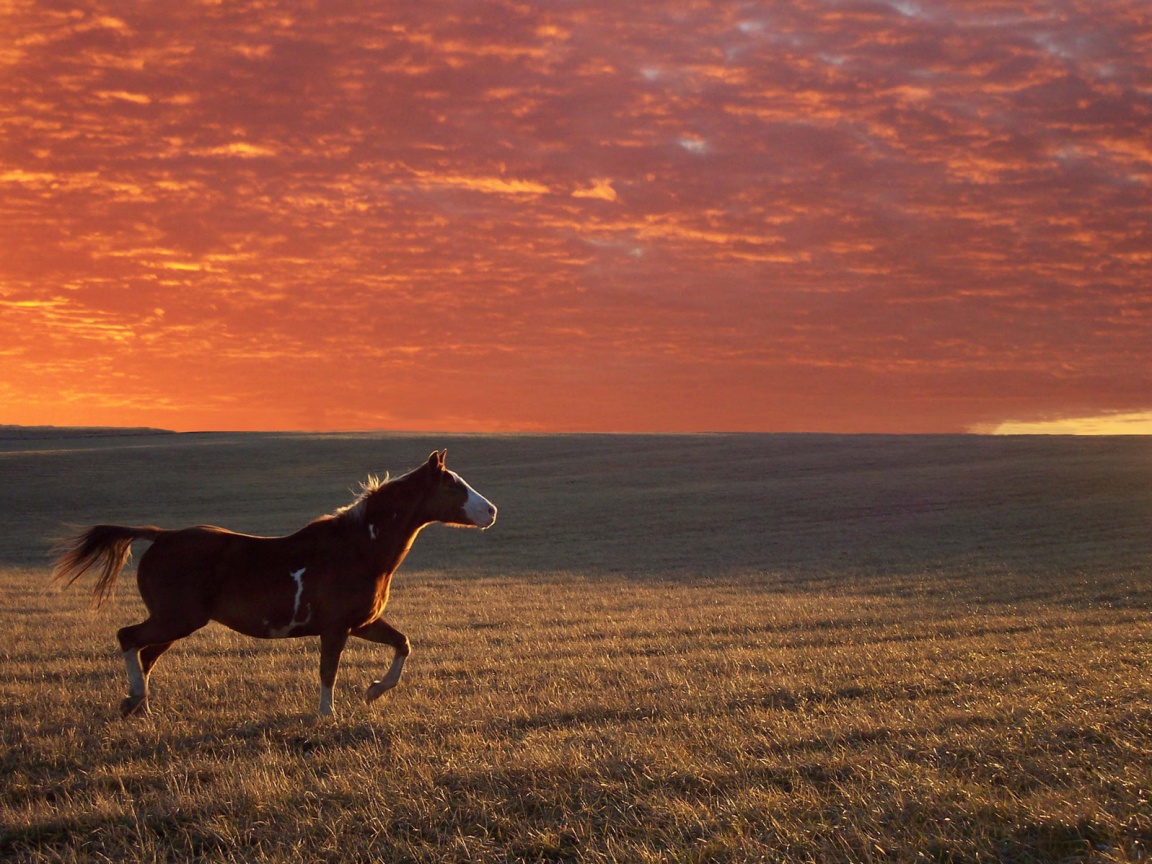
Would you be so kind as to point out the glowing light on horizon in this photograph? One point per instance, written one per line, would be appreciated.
(1135, 423)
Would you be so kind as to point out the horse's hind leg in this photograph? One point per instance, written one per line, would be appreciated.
(149, 655)
(142, 644)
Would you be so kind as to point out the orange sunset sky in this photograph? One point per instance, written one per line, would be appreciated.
(637, 215)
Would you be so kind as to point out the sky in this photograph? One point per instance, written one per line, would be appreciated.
(576, 215)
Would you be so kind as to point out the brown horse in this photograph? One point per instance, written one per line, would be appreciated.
(329, 579)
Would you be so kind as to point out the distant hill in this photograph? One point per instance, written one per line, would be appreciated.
(32, 432)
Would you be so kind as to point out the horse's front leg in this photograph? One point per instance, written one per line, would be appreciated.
(382, 632)
(331, 647)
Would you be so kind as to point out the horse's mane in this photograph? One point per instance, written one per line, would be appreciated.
(368, 488)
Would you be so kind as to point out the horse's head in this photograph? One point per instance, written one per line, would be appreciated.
(451, 500)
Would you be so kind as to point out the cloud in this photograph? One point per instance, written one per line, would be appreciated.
(241, 149)
(490, 185)
(601, 189)
(893, 216)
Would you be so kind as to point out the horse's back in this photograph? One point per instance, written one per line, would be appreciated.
(188, 547)
(190, 566)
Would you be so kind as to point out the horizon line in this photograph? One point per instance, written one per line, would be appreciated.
(1120, 425)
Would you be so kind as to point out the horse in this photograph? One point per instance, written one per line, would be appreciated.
(329, 579)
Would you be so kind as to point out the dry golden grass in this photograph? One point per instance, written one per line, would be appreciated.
(975, 709)
(565, 718)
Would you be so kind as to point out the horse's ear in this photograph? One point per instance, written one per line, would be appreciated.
(436, 459)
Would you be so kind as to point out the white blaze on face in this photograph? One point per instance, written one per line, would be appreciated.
(477, 508)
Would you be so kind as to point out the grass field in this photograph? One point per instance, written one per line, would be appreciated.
(687, 648)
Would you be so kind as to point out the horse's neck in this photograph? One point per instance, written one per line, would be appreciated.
(393, 548)
(388, 554)
(390, 527)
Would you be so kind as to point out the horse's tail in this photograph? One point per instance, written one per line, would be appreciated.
(104, 547)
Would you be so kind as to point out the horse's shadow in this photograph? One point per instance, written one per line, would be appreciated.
(300, 734)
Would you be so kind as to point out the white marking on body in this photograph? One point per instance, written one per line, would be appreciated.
(136, 685)
(371, 530)
(477, 508)
(298, 576)
(281, 632)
